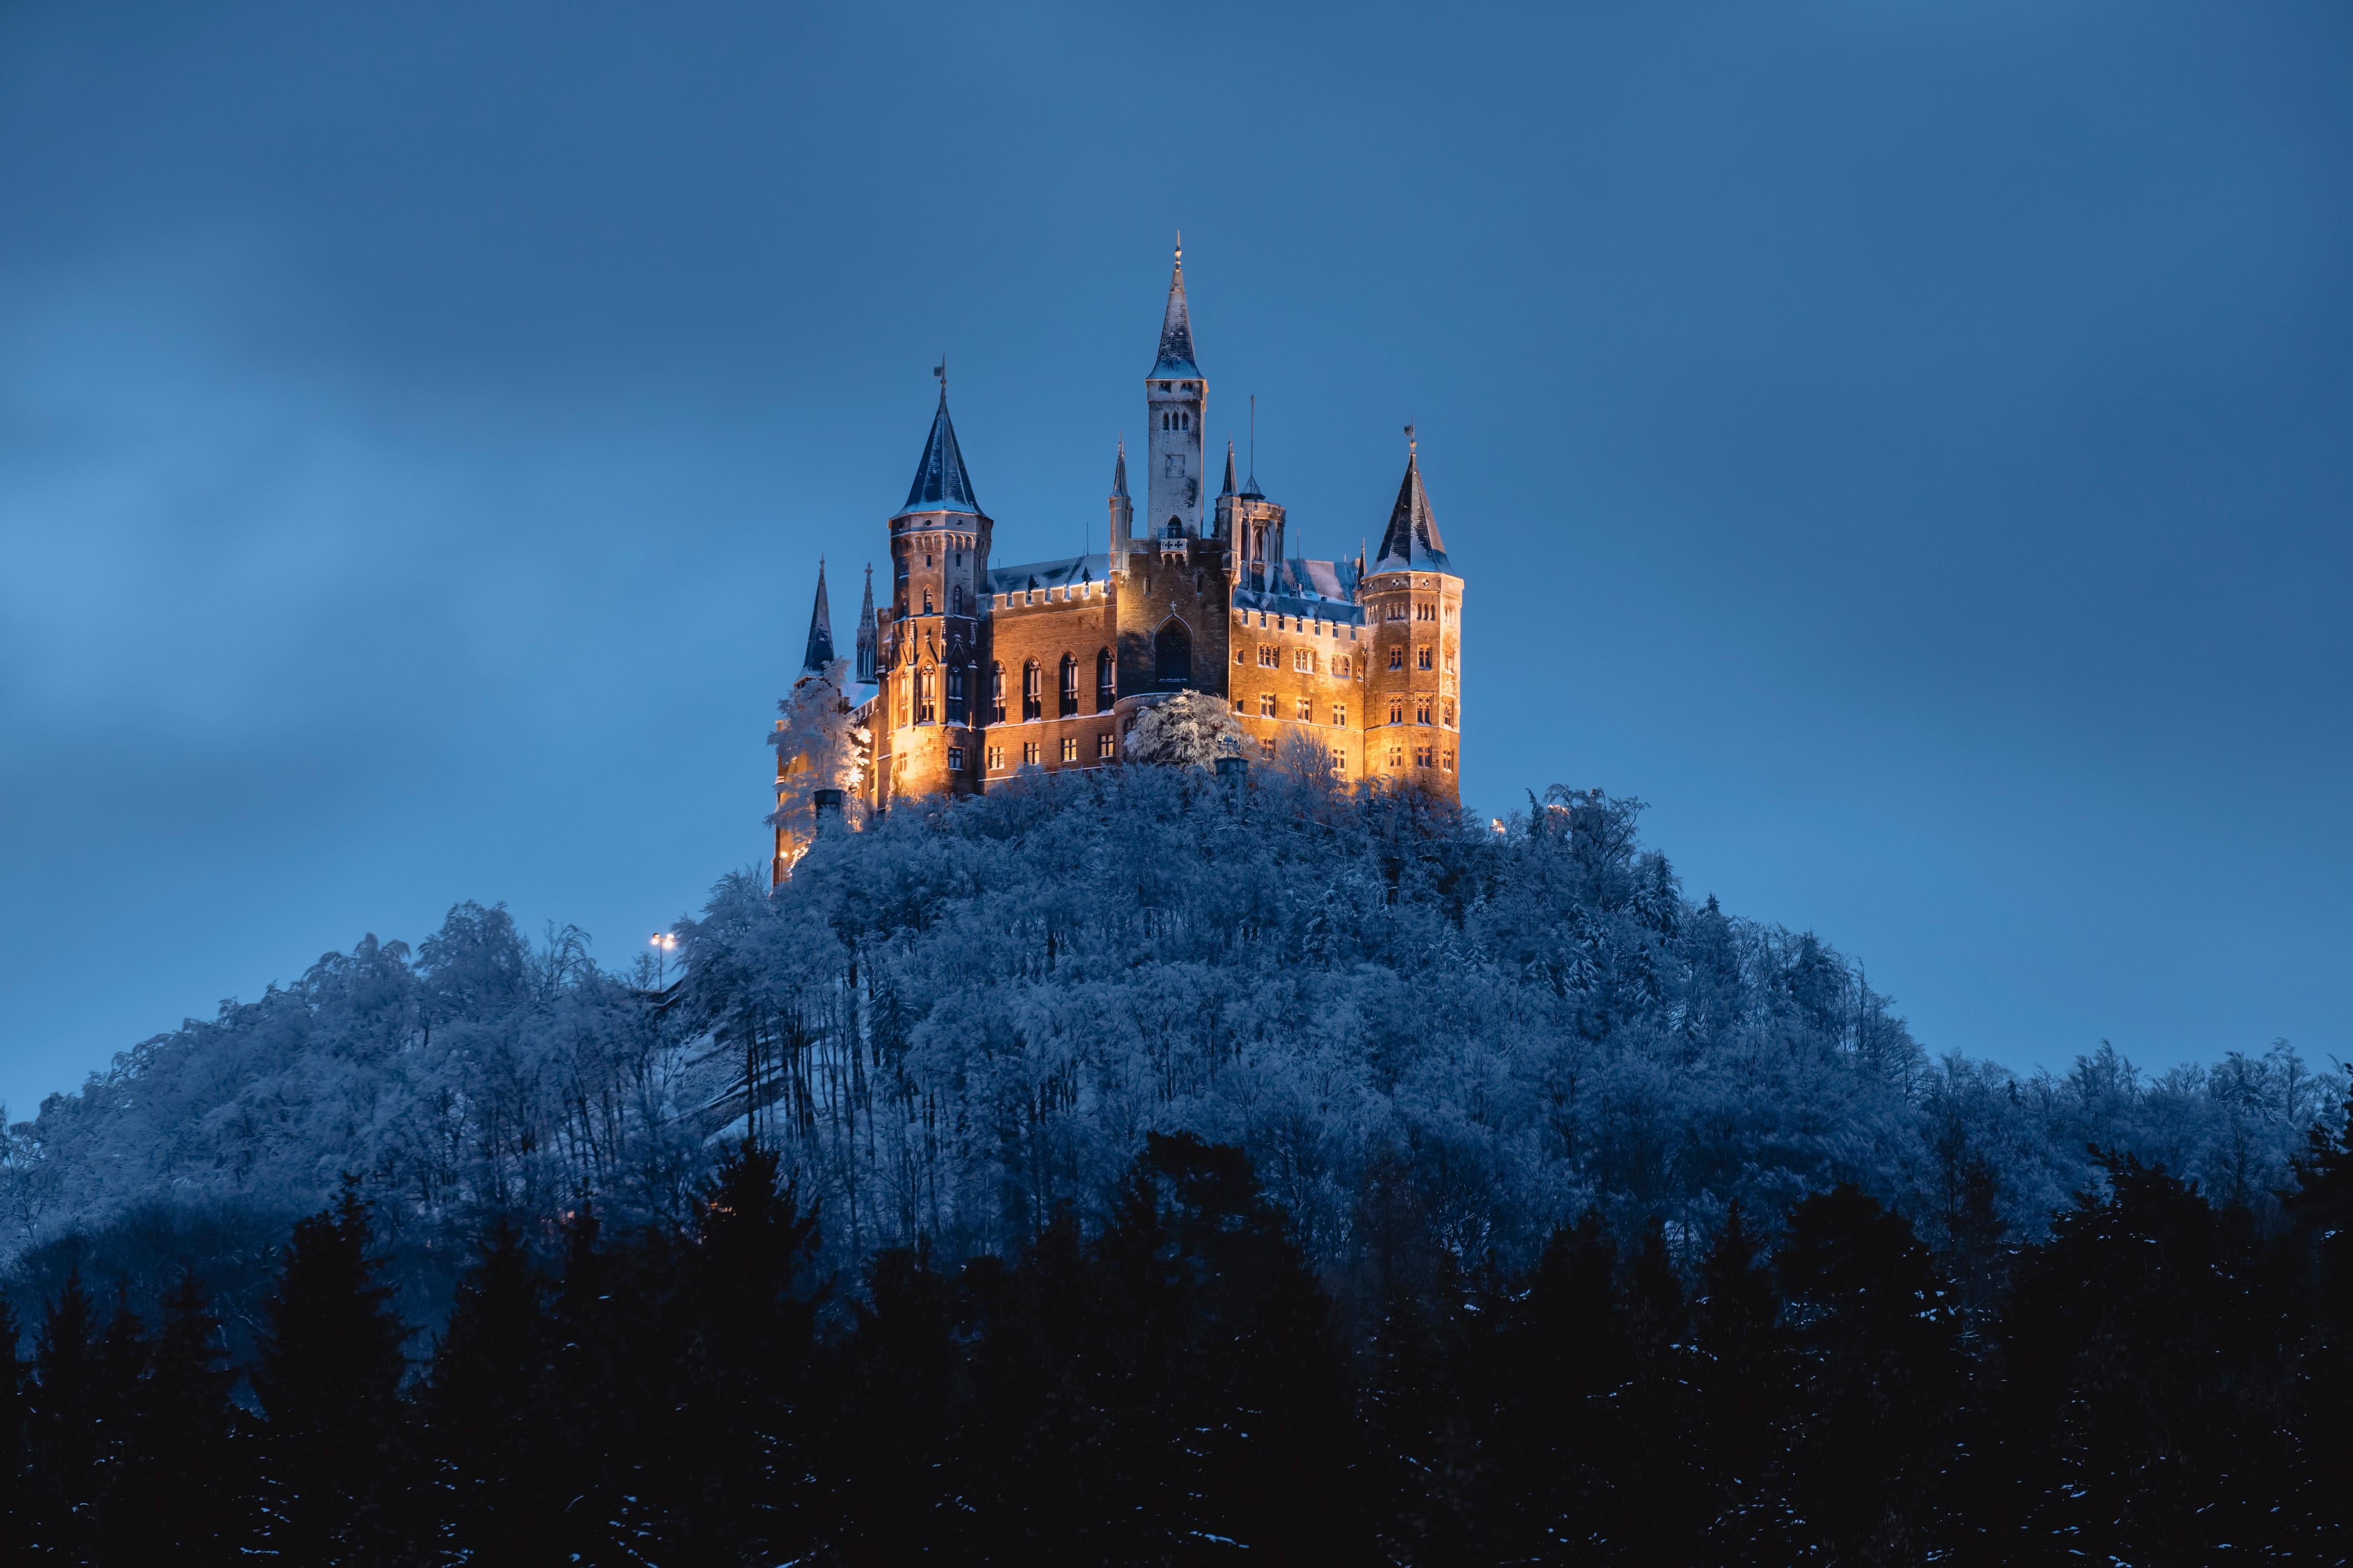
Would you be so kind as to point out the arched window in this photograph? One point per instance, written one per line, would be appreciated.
(924, 688)
(1069, 686)
(927, 601)
(1032, 705)
(1175, 528)
(1172, 655)
(955, 694)
(997, 694)
(955, 600)
(1106, 682)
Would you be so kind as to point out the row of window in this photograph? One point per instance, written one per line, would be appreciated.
(1178, 420)
(1032, 753)
(1424, 611)
(1440, 757)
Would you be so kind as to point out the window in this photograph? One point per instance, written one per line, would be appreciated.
(997, 694)
(1032, 706)
(1396, 658)
(1421, 711)
(927, 601)
(1241, 656)
(1339, 715)
(1340, 667)
(1266, 704)
(1069, 686)
(1303, 659)
(1103, 747)
(1030, 753)
(1397, 709)
(1306, 711)
(955, 694)
(1421, 657)
(1339, 760)
(956, 599)
(956, 759)
(1424, 756)
(1106, 684)
(1172, 654)
(1397, 611)
(1449, 714)
(1269, 658)
(1425, 611)
(926, 686)
(995, 759)
(1070, 748)
(1239, 706)
(1449, 762)
(1449, 658)
(1396, 756)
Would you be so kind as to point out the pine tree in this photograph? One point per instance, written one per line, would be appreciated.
(187, 1481)
(1880, 1377)
(485, 1410)
(2320, 1211)
(1657, 1470)
(329, 1380)
(1544, 1496)
(16, 1512)
(68, 1438)
(1744, 1375)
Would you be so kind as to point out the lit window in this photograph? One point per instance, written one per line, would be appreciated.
(997, 694)
(1070, 748)
(1266, 704)
(1303, 659)
(995, 759)
(1396, 658)
(925, 679)
(1306, 711)
(1103, 747)
(1269, 656)
(1030, 753)
(1340, 667)
(1339, 715)
(956, 759)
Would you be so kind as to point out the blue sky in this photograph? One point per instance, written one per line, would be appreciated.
(1905, 444)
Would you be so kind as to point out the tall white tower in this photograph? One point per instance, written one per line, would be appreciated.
(1175, 401)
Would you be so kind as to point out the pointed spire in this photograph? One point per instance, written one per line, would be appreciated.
(866, 631)
(1119, 472)
(1176, 326)
(1230, 472)
(1411, 540)
(941, 483)
(820, 638)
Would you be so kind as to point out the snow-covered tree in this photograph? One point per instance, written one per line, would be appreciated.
(1187, 729)
(819, 744)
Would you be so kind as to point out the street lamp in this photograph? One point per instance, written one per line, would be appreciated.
(664, 944)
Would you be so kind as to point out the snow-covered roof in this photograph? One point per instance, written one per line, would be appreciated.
(1175, 330)
(1049, 573)
(1310, 589)
(941, 482)
(1411, 541)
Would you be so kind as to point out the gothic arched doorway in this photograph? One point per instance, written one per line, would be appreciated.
(1172, 654)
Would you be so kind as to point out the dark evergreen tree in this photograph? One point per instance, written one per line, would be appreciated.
(486, 1413)
(70, 1433)
(1657, 1470)
(901, 1401)
(1545, 1493)
(1744, 1369)
(2146, 1408)
(187, 1481)
(1879, 1379)
(16, 1512)
(337, 1462)
(2320, 1244)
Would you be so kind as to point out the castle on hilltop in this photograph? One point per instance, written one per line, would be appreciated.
(979, 670)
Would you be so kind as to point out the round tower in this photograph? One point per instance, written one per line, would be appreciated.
(1413, 617)
(928, 641)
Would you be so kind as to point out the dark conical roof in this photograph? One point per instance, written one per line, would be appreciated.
(866, 632)
(1411, 541)
(941, 483)
(1119, 472)
(1175, 328)
(820, 638)
(1229, 471)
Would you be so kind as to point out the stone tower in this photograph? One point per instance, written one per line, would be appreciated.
(1172, 580)
(928, 641)
(1413, 614)
(1176, 401)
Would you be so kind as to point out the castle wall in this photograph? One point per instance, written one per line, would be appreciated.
(1414, 714)
(1043, 625)
(1303, 676)
(1163, 581)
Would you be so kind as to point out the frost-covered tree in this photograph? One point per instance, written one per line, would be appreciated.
(1187, 729)
(819, 743)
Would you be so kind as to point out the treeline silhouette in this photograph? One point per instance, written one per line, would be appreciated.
(2162, 1380)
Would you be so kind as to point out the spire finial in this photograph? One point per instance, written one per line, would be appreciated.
(941, 370)
(1180, 247)
(1411, 446)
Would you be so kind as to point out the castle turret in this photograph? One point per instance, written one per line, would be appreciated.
(929, 639)
(1413, 611)
(1122, 510)
(819, 652)
(866, 632)
(1176, 399)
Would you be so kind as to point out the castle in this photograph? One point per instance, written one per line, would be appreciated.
(979, 670)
